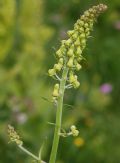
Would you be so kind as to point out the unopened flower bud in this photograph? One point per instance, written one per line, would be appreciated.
(82, 35)
(86, 25)
(75, 77)
(51, 72)
(87, 30)
(59, 53)
(70, 33)
(79, 58)
(56, 86)
(63, 42)
(83, 42)
(77, 42)
(79, 51)
(76, 84)
(70, 62)
(81, 23)
(56, 90)
(75, 36)
(71, 78)
(70, 52)
(58, 67)
(73, 127)
(86, 13)
(60, 61)
(76, 27)
(78, 66)
(68, 42)
(75, 133)
(81, 29)
(87, 34)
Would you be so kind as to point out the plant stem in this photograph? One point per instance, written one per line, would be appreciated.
(58, 116)
(30, 154)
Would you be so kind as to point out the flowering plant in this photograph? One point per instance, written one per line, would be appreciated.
(69, 57)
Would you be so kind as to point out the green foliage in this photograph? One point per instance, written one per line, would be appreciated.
(7, 20)
(22, 70)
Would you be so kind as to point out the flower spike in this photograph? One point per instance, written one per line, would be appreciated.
(70, 52)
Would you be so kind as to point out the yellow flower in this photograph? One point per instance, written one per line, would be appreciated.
(79, 142)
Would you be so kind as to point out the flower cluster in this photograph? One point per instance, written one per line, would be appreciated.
(74, 131)
(13, 135)
(70, 52)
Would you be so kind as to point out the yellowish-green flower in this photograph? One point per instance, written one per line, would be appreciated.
(74, 130)
(70, 51)
(13, 135)
(56, 90)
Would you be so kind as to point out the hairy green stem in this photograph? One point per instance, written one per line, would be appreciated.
(58, 116)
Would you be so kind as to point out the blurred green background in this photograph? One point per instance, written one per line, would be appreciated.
(30, 33)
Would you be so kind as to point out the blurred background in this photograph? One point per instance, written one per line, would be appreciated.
(30, 33)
